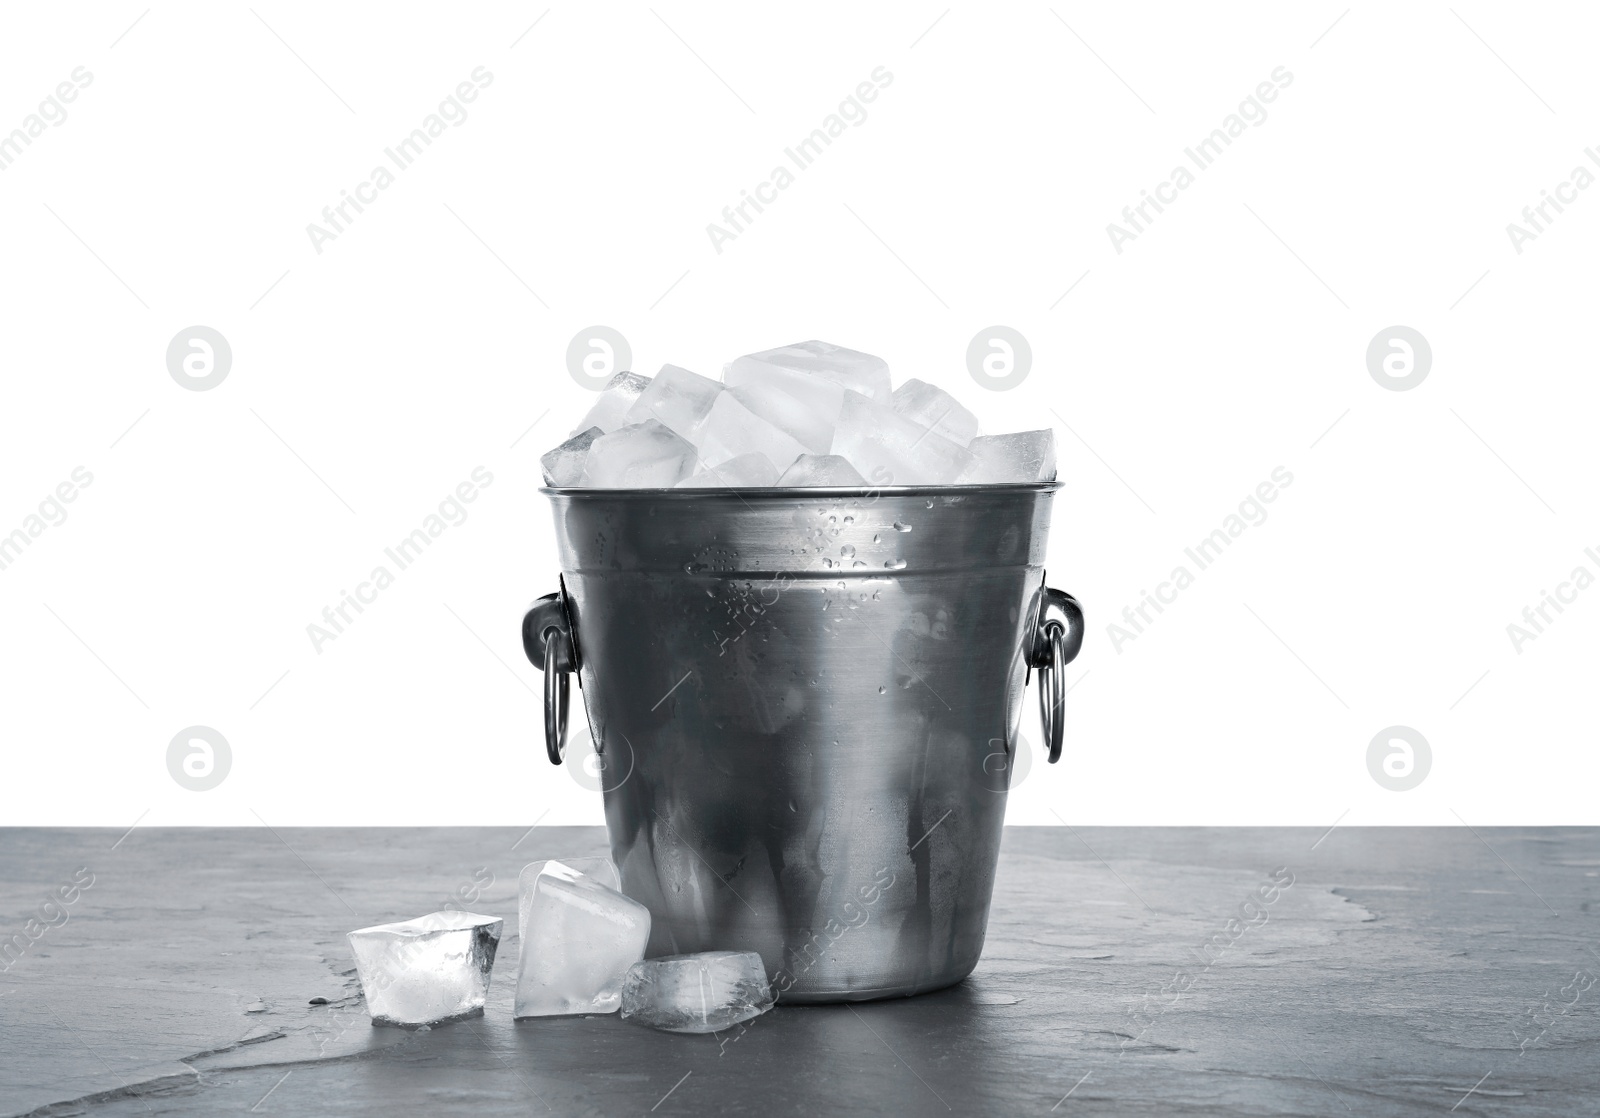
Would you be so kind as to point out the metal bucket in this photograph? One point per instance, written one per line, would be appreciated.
(806, 702)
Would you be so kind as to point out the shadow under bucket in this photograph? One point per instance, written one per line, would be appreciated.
(806, 702)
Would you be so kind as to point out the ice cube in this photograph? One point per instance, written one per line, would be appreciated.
(702, 993)
(800, 388)
(805, 406)
(676, 397)
(731, 429)
(640, 456)
(821, 469)
(1017, 458)
(846, 368)
(423, 971)
(754, 469)
(603, 870)
(934, 408)
(892, 450)
(581, 938)
(563, 466)
(618, 396)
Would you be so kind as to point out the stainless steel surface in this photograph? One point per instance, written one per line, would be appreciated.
(795, 691)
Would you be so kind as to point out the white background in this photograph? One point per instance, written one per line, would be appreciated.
(429, 338)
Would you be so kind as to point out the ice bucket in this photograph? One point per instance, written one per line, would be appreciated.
(806, 704)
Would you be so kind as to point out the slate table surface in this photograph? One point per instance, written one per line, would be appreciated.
(1403, 971)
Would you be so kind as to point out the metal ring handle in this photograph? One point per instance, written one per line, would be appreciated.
(552, 646)
(1055, 638)
(1053, 692)
(557, 694)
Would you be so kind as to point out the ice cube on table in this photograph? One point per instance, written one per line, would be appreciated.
(563, 466)
(600, 869)
(1016, 458)
(702, 993)
(677, 398)
(890, 449)
(936, 409)
(821, 469)
(615, 400)
(640, 456)
(424, 971)
(731, 429)
(581, 938)
(745, 471)
(846, 368)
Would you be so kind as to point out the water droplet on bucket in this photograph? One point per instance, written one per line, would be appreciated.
(860, 563)
(826, 562)
(847, 551)
(883, 690)
(849, 520)
(895, 564)
(876, 538)
(899, 527)
(930, 502)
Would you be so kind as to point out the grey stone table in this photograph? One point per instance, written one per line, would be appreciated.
(1127, 971)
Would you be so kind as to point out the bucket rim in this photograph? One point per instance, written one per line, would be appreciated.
(792, 492)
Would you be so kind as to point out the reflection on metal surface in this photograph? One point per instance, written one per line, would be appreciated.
(815, 779)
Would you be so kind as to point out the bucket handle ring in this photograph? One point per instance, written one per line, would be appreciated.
(547, 639)
(1057, 637)
(556, 696)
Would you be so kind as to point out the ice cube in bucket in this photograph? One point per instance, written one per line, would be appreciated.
(890, 449)
(1012, 459)
(753, 469)
(731, 430)
(846, 368)
(821, 469)
(677, 398)
(563, 466)
(934, 408)
(801, 388)
(641, 456)
(619, 395)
